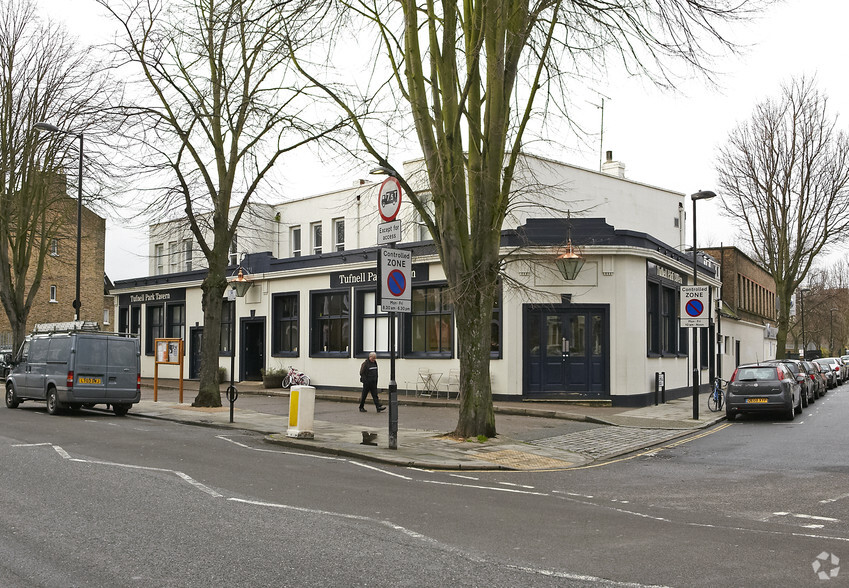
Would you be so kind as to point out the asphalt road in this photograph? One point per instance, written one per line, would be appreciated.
(95, 500)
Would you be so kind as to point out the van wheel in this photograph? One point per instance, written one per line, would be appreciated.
(53, 406)
(11, 398)
(120, 409)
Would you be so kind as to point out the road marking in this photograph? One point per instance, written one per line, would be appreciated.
(835, 499)
(517, 485)
(382, 471)
(805, 516)
(65, 455)
(479, 487)
(464, 477)
(327, 457)
(30, 444)
(572, 494)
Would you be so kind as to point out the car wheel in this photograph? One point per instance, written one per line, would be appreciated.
(803, 401)
(53, 406)
(798, 409)
(730, 415)
(120, 409)
(11, 398)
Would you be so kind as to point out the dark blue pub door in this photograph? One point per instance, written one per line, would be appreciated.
(566, 351)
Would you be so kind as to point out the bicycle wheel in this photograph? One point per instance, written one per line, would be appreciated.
(714, 402)
(287, 381)
(306, 380)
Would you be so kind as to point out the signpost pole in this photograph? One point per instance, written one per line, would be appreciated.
(695, 329)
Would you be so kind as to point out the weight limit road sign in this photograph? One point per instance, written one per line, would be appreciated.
(695, 306)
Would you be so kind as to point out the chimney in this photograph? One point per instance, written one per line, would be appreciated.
(613, 168)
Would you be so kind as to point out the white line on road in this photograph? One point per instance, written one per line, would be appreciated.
(327, 457)
(835, 499)
(181, 475)
(806, 516)
(517, 485)
(382, 471)
(464, 477)
(30, 444)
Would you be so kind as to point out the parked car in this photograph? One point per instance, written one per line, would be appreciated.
(74, 369)
(816, 378)
(763, 387)
(5, 361)
(844, 369)
(822, 376)
(828, 370)
(834, 365)
(800, 372)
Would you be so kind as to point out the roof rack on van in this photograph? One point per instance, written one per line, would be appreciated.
(66, 327)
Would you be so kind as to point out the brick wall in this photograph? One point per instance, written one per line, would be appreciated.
(60, 270)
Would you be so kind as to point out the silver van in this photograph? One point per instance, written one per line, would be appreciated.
(71, 370)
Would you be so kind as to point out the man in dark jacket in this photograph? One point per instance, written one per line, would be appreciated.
(368, 376)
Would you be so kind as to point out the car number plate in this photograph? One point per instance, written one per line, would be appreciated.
(756, 401)
(84, 380)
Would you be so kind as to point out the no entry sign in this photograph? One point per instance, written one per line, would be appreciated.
(695, 306)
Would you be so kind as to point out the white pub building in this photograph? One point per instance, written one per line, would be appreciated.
(601, 335)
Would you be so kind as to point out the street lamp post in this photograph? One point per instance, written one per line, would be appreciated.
(239, 287)
(700, 195)
(802, 313)
(831, 332)
(44, 126)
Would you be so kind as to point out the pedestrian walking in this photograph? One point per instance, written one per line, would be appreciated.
(368, 376)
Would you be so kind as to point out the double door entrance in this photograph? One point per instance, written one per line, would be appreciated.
(567, 350)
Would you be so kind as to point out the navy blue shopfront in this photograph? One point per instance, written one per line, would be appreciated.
(567, 350)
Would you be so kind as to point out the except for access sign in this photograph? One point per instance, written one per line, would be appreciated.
(395, 291)
(695, 306)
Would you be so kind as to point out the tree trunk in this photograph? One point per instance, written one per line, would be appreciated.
(783, 320)
(209, 393)
(473, 312)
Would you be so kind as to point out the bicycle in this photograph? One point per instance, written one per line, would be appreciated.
(716, 397)
(295, 378)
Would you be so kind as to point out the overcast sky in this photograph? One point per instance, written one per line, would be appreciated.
(664, 139)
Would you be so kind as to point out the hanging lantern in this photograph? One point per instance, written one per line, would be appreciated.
(569, 262)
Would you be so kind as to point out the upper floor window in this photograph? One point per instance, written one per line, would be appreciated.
(295, 240)
(339, 234)
(53, 291)
(159, 259)
(173, 257)
(187, 254)
(234, 256)
(315, 229)
(54, 247)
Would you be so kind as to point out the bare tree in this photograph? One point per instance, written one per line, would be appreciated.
(784, 178)
(217, 112)
(477, 79)
(44, 76)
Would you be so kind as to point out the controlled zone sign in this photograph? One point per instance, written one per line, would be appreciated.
(395, 277)
(695, 306)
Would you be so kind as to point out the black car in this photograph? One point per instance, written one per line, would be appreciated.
(763, 387)
(802, 375)
(5, 362)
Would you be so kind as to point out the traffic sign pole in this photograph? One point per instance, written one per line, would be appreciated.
(393, 385)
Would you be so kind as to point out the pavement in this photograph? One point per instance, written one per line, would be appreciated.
(532, 435)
